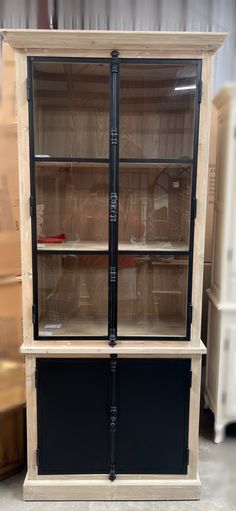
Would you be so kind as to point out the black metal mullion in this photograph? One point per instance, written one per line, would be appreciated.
(113, 417)
(33, 196)
(193, 198)
(164, 161)
(113, 197)
(56, 159)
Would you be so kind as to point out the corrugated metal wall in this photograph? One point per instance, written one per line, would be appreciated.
(193, 15)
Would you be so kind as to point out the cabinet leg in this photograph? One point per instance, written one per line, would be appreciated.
(219, 434)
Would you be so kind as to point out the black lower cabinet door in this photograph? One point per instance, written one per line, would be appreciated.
(72, 406)
(153, 408)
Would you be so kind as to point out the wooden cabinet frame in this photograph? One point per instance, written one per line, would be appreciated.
(92, 44)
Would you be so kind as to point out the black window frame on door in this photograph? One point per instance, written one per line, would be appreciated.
(113, 161)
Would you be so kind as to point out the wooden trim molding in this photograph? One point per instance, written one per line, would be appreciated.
(100, 488)
(70, 348)
(107, 39)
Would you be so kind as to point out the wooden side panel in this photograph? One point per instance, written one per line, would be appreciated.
(24, 188)
(201, 194)
(194, 416)
(31, 416)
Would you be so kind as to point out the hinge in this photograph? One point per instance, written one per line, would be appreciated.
(33, 313)
(190, 378)
(28, 89)
(112, 273)
(37, 456)
(112, 337)
(194, 208)
(190, 313)
(113, 209)
(31, 201)
(187, 456)
(199, 94)
(36, 378)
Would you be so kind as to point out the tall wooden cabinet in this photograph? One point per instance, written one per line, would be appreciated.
(113, 152)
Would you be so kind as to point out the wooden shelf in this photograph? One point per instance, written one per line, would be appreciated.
(74, 246)
(87, 246)
(100, 348)
(91, 325)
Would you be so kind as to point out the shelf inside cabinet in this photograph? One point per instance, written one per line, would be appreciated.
(89, 246)
(73, 246)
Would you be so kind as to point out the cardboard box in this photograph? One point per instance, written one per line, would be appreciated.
(211, 187)
(10, 319)
(8, 86)
(9, 186)
(12, 442)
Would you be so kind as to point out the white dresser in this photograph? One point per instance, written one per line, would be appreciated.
(220, 387)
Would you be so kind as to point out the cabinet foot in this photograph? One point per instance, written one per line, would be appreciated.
(219, 434)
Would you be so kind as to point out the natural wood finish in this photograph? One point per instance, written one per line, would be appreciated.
(106, 39)
(12, 387)
(24, 191)
(102, 489)
(12, 442)
(31, 415)
(99, 487)
(201, 194)
(135, 348)
(194, 409)
(175, 246)
(91, 44)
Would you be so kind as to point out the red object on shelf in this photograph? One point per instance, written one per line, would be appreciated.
(52, 239)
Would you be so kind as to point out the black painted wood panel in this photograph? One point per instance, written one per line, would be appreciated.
(153, 404)
(73, 436)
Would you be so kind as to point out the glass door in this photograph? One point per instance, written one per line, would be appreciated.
(113, 145)
(70, 186)
(157, 163)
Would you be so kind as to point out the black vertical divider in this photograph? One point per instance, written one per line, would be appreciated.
(113, 417)
(193, 196)
(113, 197)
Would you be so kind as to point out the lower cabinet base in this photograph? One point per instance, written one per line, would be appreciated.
(100, 488)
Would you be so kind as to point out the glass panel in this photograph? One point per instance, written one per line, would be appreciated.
(72, 202)
(154, 206)
(157, 111)
(72, 294)
(71, 109)
(152, 296)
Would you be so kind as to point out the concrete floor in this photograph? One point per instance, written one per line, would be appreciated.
(217, 470)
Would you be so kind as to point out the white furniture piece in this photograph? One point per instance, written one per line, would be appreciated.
(220, 388)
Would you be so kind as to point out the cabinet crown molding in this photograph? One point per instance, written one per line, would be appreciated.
(106, 40)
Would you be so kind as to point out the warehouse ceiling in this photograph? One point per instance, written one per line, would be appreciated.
(190, 15)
